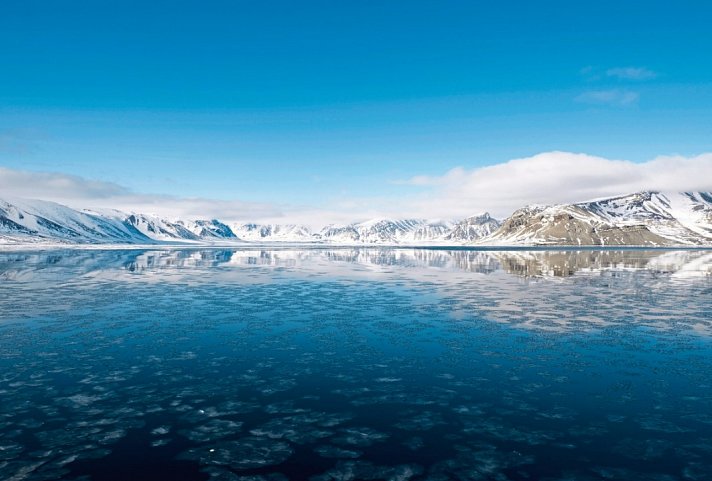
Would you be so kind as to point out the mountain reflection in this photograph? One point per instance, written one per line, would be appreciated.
(527, 264)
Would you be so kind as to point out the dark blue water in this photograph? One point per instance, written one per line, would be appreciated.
(356, 364)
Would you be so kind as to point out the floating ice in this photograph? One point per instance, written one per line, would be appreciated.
(10, 451)
(361, 437)
(295, 430)
(248, 370)
(421, 421)
(414, 443)
(246, 453)
(217, 474)
(212, 430)
(363, 470)
(161, 430)
(326, 451)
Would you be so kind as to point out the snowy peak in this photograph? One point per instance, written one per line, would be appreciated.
(639, 207)
(682, 217)
(160, 229)
(473, 228)
(640, 219)
(31, 220)
(430, 231)
(693, 210)
(45, 221)
(387, 231)
(209, 229)
(273, 232)
(643, 218)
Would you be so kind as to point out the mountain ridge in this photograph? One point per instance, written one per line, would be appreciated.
(647, 218)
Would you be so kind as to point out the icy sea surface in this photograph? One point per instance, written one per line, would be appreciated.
(355, 364)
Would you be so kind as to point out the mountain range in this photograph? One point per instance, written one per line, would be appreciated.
(640, 219)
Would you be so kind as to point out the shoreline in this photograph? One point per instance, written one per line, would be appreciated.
(321, 246)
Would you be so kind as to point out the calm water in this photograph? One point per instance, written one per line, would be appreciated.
(362, 364)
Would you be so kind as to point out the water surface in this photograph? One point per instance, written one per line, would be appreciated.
(339, 364)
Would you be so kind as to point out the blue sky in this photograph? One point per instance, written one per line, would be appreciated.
(317, 103)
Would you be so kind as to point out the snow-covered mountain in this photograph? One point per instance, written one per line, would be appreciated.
(28, 221)
(160, 229)
(684, 217)
(386, 231)
(643, 218)
(36, 221)
(209, 229)
(473, 228)
(273, 232)
(373, 232)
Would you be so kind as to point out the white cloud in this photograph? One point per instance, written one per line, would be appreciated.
(51, 185)
(609, 97)
(631, 73)
(79, 192)
(546, 178)
(556, 177)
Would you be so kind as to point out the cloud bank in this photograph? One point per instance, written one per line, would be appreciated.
(557, 177)
(81, 193)
(546, 178)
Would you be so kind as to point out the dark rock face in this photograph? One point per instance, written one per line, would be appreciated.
(573, 225)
